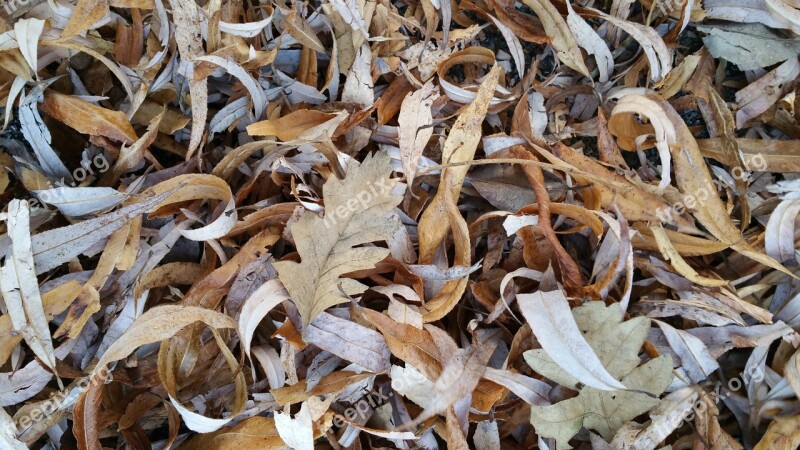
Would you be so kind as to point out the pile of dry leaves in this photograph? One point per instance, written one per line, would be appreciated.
(426, 224)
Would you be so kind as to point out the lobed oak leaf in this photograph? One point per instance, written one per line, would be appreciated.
(617, 344)
(356, 213)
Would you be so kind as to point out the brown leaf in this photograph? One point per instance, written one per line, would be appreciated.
(86, 13)
(88, 118)
(460, 146)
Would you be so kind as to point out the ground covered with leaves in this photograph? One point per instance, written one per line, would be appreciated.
(404, 224)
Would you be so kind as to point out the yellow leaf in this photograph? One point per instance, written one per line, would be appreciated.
(86, 13)
(669, 252)
(303, 123)
(783, 433)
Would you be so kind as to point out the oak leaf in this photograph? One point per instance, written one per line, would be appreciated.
(356, 213)
(617, 344)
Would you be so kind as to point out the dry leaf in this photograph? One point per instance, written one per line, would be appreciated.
(551, 321)
(20, 287)
(416, 127)
(89, 119)
(562, 39)
(356, 213)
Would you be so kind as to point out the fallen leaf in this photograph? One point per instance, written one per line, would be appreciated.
(416, 127)
(602, 410)
(356, 213)
(20, 287)
(87, 118)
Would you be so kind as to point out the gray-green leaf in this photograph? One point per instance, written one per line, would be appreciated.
(748, 45)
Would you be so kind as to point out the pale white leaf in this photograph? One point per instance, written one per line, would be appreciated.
(80, 201)
(351, 14)
(403, 313)
(459, 376)
(245, 30)
(590, 41)
(410, 383)
(486, 436)
(59, 245)
(270, 361)
(20, 288)
(228, 115)
(18, 386)
(198, 422)
(658, 54)
(257, 306)
(350, 341)
(537, 113)
(258, 95)
(664, 131)
(514, 45)
(13, 93)
(554, 326)
(415, 127)
(665, 418)
(297, 432)
(8, 433)
(28, 32)
(358, 87)
(38, 136)
(218, 228)
(533, 391)
(695, 357)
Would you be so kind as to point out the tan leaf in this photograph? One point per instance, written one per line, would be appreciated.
(460, 146)
(129, 157)
(88, 118)
(160, 323)
(416, 127)
(305, 124)
(356, 214)
(557, 30)
(460, 375)
(301, 30)
(190, 45)
(694, 179)
(255, 432)
(669, 252)
(86, 13)
(783, 433)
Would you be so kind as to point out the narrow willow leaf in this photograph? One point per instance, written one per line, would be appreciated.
(20, 287)
(552, 323)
